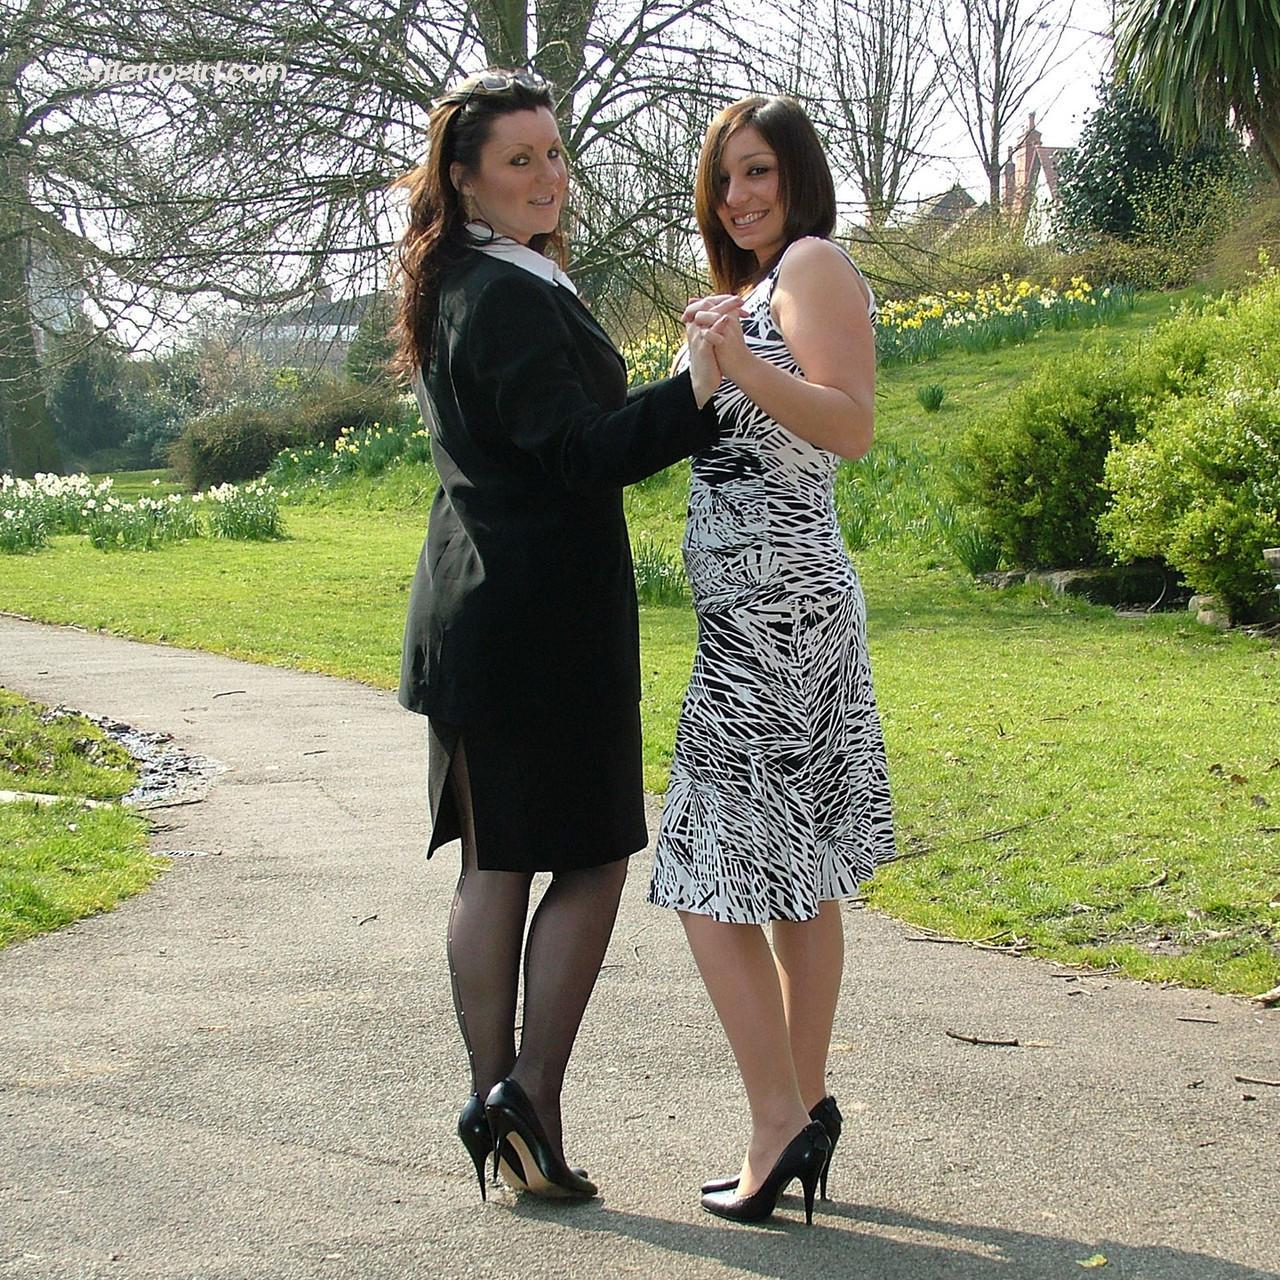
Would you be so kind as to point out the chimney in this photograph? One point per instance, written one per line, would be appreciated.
(1024, 164)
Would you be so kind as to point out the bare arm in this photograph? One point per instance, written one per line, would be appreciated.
(820, 306)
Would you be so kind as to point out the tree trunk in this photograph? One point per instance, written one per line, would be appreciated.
(26, 433)
(504, 28)
(562, 41)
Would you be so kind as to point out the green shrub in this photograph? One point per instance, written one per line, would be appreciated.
(1234, 259)
(1036, 469)
(235, 445)
(325, 414)
(240, 443)
(1201, 488)
(930, 397)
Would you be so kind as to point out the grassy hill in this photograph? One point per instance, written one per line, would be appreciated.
(1097, 789)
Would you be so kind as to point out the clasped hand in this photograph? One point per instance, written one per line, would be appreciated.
(713, 333)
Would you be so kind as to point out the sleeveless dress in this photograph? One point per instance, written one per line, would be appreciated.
(779, 791)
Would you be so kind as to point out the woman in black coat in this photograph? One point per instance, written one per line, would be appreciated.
(522, 644)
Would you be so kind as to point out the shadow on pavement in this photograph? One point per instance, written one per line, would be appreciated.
(850, 1239)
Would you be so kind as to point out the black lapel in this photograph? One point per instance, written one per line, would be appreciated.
(575, 307)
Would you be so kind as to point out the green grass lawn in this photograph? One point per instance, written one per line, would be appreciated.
(62, 861)
(1100, 790)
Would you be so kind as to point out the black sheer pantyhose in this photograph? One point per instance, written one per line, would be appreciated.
(562, 958)
(486, 927)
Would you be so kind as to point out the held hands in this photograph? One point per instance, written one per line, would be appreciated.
(706, 369)
(718, 317)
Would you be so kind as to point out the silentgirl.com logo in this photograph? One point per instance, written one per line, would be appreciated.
(163, 74)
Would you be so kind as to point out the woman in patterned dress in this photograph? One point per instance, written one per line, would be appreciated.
(778, 805)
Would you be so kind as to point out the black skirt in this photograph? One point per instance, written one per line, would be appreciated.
(553, 792)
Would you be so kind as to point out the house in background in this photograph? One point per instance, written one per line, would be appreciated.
(939, 217)
(316, 335)
(1029, 186)
(1028, 196)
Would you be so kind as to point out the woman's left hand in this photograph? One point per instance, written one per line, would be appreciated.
(721, 318)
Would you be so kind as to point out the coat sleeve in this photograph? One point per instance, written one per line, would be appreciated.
(518, 345)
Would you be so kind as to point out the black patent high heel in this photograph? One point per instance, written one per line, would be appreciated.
(513, 1122)
(804, 1157)
(473, 1129)
(827, 1114)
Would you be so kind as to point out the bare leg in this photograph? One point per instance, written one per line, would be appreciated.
(565, 949)
(810, 962)
(486, 928)
(738, 970)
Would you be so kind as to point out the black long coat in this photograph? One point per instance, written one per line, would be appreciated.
(524, 600)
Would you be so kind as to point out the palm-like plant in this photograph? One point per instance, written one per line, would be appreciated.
(1195, 62)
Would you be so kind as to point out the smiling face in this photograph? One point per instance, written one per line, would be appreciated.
(750, 207)
(519, 184)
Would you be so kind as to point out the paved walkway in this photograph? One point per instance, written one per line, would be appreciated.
(252, 1070)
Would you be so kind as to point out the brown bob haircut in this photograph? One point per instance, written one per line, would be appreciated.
(804, 184)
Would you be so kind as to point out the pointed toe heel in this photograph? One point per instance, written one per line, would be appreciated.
(804, 1157)
(827, 1114)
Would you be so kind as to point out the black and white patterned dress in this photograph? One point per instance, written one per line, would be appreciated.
(779, 792)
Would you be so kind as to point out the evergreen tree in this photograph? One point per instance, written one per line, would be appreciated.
(372, 346)
(1120, 152)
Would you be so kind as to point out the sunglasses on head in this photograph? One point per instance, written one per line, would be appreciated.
(493, 82)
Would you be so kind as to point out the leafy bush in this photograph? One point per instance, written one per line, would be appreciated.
(1036, 470)
(235, 445)
(1123, 175)
(924, 258)
(326, 413)
(1247, 245)
(241, 443)
(1201, 487)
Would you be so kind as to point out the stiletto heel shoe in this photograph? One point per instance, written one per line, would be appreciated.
(473, 1129)
(804, 1157)
(827, 1114)
(513, 1122)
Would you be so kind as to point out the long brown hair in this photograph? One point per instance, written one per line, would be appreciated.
(459, 126)
(804, 184)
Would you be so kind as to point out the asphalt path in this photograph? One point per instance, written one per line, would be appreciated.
(252, 1070)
